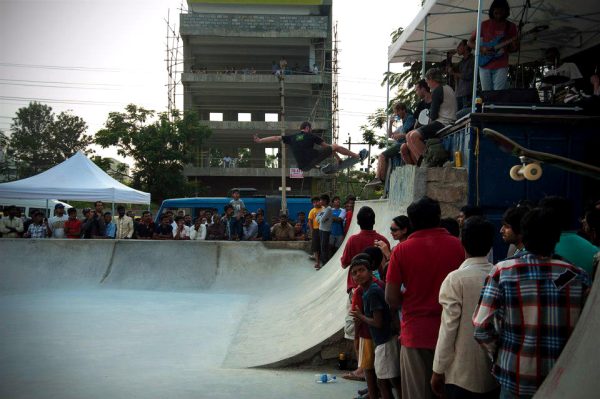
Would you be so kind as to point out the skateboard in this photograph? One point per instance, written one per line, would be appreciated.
(530, 168)
(345, 164)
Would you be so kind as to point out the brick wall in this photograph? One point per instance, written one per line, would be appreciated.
(254, 25)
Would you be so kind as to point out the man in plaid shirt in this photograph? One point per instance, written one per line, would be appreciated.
(528, 308)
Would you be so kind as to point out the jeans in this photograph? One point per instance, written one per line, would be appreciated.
(493, 79)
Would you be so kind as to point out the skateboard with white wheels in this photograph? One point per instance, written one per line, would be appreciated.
(531, 161)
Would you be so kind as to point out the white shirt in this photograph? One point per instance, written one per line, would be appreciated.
(185, 233)
(457, 355)
(199, 234)
(57, 226)
(124, 226)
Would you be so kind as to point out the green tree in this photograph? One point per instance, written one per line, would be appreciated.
(119, 173)
(159, 147)
(41, 139)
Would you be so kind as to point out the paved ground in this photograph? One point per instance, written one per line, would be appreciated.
(141, 319)
(128, 319)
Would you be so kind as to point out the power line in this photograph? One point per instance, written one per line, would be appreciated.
(66, 83)
(58, 101)
(59, 67)
(57, 87)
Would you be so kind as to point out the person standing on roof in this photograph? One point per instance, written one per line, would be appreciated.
(497, 29)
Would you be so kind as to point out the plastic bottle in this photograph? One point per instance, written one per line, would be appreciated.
(342, 361)
(325, 378)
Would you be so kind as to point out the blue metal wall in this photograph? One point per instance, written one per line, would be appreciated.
(490, 185)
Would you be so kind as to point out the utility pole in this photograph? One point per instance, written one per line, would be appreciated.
(283, 156)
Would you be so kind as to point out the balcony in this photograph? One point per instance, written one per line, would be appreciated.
(262, 78)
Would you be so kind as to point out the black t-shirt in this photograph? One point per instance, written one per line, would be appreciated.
(144, 231)
(163, 230)
(420, 107)
(302, 146)
(374, 300)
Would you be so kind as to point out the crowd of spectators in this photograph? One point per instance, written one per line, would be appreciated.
(236, 223)
(434, 317)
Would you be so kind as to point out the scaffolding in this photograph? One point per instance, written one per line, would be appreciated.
(173, 60)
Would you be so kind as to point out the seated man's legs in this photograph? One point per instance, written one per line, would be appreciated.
(416, 146)
(382, 160)
(406, 155)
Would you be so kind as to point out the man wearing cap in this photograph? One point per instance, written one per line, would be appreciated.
(441, 114)
(303, 146)
(56, 224)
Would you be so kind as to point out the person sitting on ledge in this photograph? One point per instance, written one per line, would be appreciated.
(441, 114)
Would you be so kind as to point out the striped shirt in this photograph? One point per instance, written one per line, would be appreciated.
(528, 308)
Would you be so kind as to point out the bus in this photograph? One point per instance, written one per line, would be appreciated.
(271, 205)
(28, 206)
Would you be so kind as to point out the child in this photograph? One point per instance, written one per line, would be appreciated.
(238, 214)
(325, 219)
(313, 226)
(73, 225)
(379, 356)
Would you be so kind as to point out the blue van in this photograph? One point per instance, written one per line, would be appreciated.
(270, 204)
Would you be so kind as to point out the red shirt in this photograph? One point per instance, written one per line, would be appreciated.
(71, 226)
(357, 303)
(355, 245)
(490, 30)
(347, 221)
(421, 263)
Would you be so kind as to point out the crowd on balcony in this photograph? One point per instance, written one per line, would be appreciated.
(276, 69)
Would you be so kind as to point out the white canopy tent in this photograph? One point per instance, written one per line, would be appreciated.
(77, 178)
(572, 26)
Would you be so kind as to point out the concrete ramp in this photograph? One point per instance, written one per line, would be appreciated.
(291, 308)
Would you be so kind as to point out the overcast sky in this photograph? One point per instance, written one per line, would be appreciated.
(94, 57)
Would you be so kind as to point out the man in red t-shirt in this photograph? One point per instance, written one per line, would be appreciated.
(349, 206)
(417, 268)
(493, 64)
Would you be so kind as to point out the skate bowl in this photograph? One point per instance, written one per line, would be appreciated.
(75, 310)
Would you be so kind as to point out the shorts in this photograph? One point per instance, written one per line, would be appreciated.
(349, 332)
(318, 156)
(387, 359)
(366, 354)
(393, 149)
(316, 241)
(429, 131)
(336, 241)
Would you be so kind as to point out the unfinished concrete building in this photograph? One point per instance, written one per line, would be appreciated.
(232, 53)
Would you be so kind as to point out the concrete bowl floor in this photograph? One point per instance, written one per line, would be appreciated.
(110, 343)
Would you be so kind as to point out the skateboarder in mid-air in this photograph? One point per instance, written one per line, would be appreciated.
(303, 146)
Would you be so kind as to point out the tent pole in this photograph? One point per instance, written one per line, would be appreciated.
(424, 47)
(477, 43)
(47, 209)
